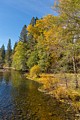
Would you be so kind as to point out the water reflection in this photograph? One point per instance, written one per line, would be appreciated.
(20, 100)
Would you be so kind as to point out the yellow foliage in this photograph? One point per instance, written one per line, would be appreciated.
(33, 31)
(49, 82)
(34, 71)
(73, 95)
(60, 93)
(76, 105)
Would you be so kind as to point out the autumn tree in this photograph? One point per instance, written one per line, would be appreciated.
(19, 57)
(70, 19)
(30, 39)
(47, 44)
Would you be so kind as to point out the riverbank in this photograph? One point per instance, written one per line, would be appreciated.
(4, 69)
(61, 87)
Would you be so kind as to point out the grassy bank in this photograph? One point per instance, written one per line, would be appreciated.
(61, 87)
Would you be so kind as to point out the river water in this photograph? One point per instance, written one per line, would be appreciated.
(21, 100)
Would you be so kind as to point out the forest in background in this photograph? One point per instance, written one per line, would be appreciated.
(52, 42)
(48, 45)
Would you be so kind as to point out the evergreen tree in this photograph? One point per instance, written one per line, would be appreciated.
(37, 18)
(2, 56)
(23, 34)
(8, 54)
(3, 52)
(31, 41)
(33, 21)
(14, 47)
(0, 59)
(33, 59)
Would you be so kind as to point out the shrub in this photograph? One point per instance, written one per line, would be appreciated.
(60, 93)
(63, 93)
(50, 82)
(74, 95)
(35, 71)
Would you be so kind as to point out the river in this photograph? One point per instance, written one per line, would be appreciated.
(21, 100)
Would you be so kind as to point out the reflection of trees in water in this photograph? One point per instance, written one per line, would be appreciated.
(1, 77)
(16, 78)
(26, 101)
(29, 100)
(7, 77)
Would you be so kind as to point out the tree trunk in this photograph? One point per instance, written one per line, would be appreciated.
(66, 82)
(75, 71)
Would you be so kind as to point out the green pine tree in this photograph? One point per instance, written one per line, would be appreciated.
(3, 52)
(23, 34)
(8, 59)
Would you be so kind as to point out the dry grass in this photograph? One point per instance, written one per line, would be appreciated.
(55, 85)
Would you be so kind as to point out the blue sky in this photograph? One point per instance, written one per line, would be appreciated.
(14, 14)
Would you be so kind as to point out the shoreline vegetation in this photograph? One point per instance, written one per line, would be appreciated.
(55, 86)
(4, 69)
